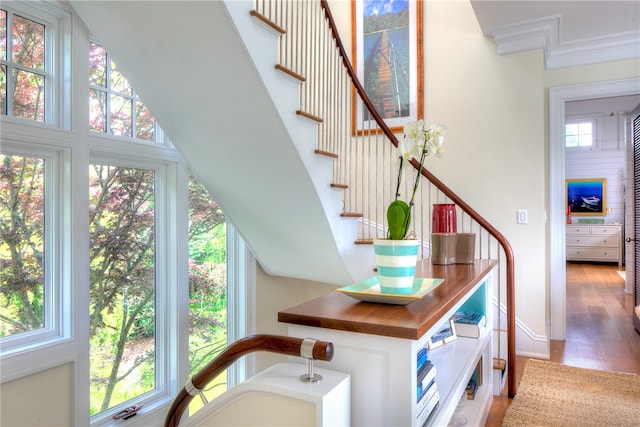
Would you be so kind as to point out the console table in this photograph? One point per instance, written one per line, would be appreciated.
(378, 345)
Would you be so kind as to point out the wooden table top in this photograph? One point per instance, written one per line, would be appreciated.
(339, 311)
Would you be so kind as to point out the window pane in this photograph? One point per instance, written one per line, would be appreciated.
(97, 65)
(117, 81)
(28, 96)
(122, 284)
(120, 123)
(571, 129)
(145, 123)
(585, 140)
(28, 43)
(21, 244)
(584, 128)
(207, 285)
(128, 116)
(3, 89)
(3, 34)
(97, 111)
(572, 141)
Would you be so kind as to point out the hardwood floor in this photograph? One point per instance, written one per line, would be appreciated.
(600, 334)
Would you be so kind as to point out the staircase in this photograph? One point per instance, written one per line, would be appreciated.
(256, 96)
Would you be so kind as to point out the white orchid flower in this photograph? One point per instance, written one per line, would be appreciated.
(414, 130)
(413, 140)
(417, 143)
(408, 148)
(436, 139)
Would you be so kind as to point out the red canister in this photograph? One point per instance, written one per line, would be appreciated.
(443, 218)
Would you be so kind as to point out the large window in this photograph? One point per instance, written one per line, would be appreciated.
(122, 284)
(22, 245)
(34, 254)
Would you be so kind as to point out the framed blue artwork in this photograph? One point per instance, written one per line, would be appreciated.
(587, 196)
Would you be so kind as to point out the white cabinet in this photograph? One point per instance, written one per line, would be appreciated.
(602, 242)
(370, 346)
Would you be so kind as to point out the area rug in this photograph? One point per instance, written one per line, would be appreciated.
(551, 394)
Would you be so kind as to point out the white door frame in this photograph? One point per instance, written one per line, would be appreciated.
(557, 253)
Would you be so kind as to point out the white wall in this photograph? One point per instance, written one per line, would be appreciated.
(42, 399)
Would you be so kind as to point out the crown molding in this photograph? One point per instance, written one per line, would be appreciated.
(545, 33)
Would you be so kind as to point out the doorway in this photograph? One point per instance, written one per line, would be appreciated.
(557, 253)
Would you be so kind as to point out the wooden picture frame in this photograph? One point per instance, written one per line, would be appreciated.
(387, 41)
(586, 196)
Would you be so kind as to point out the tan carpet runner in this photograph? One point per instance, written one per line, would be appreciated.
(551, 394)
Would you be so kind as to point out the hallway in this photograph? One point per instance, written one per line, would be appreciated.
(600, 334)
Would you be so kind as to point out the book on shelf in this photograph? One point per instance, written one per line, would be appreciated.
(429, 409)
(426, 396)
(468, 324)
(445, 334)
(424, 370)
(471, 389)
(425, 382)
(422, 358)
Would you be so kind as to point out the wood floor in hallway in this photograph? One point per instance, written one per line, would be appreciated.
(600, 333)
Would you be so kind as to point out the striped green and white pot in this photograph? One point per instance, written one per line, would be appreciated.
(396, 263)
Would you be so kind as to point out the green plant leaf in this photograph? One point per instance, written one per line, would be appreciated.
(399, 219)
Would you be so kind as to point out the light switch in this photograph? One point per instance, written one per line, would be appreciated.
(522, 216)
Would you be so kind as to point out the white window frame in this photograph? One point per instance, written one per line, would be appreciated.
(160, 137)
(594, 132)
(57, 70)
(21, 353)
(167, 290)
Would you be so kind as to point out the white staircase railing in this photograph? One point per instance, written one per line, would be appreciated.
(364, 167)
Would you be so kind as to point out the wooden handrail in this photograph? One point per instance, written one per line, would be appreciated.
(504, 243)
(289, 346)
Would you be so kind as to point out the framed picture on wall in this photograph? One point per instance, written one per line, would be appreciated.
(387, 58)
(587, 196)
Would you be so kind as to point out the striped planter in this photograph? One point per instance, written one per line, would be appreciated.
(396, 263)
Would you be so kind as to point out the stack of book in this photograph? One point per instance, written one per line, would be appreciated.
(468, 324)
(427, 392)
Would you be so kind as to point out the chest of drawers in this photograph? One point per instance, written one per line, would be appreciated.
(602, 242)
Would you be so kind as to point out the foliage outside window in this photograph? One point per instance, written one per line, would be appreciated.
(114, 108)
(22, 244)
(207, 284)
(579, 133)
(23, 76)
(122, 284)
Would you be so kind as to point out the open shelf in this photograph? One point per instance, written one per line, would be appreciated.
(456, 362)
(378, 344)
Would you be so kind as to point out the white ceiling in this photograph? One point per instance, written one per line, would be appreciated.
(570, 32)
(581, 19)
